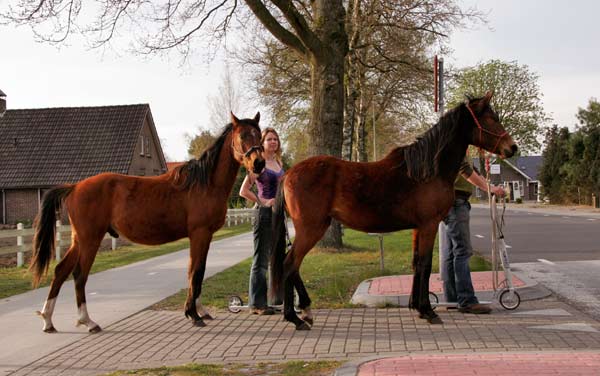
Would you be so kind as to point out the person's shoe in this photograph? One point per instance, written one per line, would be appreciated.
(451, 308)
(476, 308)
(262, 311)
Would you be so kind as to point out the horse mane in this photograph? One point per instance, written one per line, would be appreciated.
(422, 157)
(199, 171)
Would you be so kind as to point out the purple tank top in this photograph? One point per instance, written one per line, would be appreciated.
(267, 183)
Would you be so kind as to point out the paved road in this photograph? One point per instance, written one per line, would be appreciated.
(558, 249)
(536, 234)
(112, 296)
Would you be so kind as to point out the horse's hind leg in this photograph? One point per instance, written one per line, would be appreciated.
(199, 244)
(306, 238)
(87, 256)
(61, 272)
(303, 298)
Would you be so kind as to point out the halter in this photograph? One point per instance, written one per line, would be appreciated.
(248, 152)
(481, 130)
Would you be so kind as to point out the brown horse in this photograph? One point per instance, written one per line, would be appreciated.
(411, 188)
(188, 201)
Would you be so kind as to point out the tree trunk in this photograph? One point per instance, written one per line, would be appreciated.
(327, 90)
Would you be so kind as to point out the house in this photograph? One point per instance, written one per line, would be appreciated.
(518, 175)
(41, 148)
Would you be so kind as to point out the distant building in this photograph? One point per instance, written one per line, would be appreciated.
(518, 175)
(41, 148)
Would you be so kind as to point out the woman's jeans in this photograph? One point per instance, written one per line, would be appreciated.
(456, 253)
(263, 235)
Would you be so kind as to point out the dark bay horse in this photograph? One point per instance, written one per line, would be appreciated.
(188, 201)
(411, 188)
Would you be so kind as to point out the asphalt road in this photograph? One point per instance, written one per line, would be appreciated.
(534, 235)
(560, 250)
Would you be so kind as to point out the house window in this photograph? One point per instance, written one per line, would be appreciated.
(142, 144)
(147, 148)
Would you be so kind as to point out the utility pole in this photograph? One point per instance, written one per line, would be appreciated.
(438, 77)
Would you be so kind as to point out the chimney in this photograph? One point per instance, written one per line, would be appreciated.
(2, 103)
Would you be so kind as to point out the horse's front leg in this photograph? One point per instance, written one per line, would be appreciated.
(199, 244)
(424, 253)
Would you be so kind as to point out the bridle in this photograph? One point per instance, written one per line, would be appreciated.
(481, 130)
(248, 152)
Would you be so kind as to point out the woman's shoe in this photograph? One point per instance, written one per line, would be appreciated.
(262, 311)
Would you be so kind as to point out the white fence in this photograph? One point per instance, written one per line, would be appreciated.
(63, 235)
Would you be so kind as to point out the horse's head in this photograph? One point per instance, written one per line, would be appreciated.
(488, 132)
(245, 142)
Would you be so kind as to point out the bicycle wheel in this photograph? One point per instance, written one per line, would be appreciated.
(509, 299)
(235, 304)
(433, 300)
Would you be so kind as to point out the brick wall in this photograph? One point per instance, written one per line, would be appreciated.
(21, 205)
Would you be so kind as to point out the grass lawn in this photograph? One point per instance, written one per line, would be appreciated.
(330, 277)
(292, 368)
(18, 280)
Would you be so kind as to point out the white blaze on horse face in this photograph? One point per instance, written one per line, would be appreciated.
(47, 312)
(84, 318)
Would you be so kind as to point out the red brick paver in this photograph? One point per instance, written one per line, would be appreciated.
(402, 284)
(486, 364)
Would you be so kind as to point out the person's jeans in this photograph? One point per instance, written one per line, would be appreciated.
(456, 253)
(257, 295)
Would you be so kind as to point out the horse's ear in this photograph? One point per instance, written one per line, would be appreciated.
(234, 119)
(257, 117)
(488, 97)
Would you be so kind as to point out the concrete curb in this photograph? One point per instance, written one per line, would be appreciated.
(531, 291)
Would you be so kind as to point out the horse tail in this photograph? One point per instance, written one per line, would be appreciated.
(45, 228)
(278, 250)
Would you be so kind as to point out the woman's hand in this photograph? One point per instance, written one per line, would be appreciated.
(498, 191)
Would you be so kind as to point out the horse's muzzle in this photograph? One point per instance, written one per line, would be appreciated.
(510, 152)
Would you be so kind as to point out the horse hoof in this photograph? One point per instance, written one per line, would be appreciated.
(431, 317)
(50, 330)
(302, 326)
(207, 316)
(95, 329)
(199, 323)
(308, 320)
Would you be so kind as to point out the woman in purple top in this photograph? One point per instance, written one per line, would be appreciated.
(266, 183)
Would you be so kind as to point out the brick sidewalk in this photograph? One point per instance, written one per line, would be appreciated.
(156, 338)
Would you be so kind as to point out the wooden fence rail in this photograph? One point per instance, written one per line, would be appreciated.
(63, 235)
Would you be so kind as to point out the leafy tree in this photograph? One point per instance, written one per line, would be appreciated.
(589, 120)
(200, 142)
(517, 98)
(555, 156)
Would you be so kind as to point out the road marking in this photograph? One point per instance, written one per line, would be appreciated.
(529, 213)
(152, 273)
(572, 326)
(507, 246)
(591, 219)
(479, 236)
(545, 312)
(546, 261)
(546, 215)
(93, 293)
(567, 217)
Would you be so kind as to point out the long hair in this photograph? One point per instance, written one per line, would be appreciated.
(422, 157)
(265, 132)
(278, 243)
(199, 171)
(45, 228)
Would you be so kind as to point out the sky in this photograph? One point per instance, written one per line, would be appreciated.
(557, 42)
